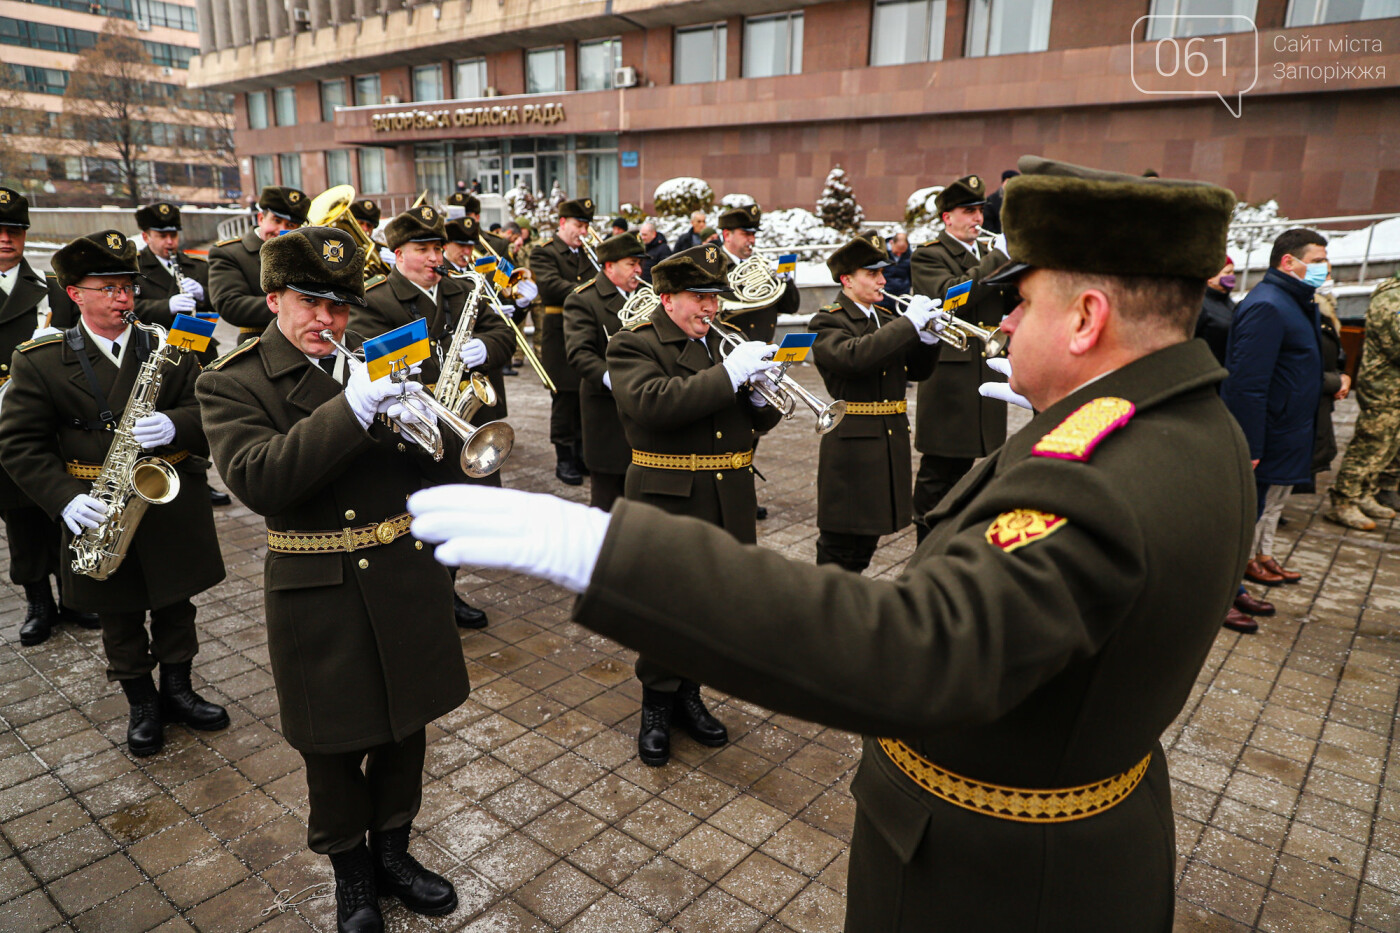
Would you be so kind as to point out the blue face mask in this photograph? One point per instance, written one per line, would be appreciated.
(1316, 275)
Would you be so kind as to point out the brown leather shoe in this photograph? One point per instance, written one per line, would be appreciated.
(1257, 572)
(1239, 622)
(1255, 607)
(1274, 566)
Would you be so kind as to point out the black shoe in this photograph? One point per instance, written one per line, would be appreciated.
(654, 736)
(690, 714)
(179, 702)
(509, 370)
(566, 468)
(762, 513)
(468, 616)
(399, 874)
(578, 462)
(356, 900)
(144, 735)
(40, 616)
(218, 498)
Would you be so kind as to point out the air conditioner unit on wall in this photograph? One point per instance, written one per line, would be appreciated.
(626, 76)
(143, 25)
(490, 92)
(301, 15)
(391, 99)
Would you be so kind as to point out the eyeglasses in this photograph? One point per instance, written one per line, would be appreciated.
(113, 291)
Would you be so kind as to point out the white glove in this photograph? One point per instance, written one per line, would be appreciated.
(387, 255)
(999, 244)
(757, 400)
(527, 292)
(192, 288)
(607, 381)
(181, 304)
(365, 396)
(923, 309)
(747, 359)
(404, 414)
(44, 332)
(1001, 390)
(83, 512)
(154, 430)
(509, 529)
(473, 353)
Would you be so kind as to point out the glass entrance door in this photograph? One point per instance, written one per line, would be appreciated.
(522, 172)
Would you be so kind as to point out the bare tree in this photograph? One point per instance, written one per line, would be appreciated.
(109, 100)
(17, 121)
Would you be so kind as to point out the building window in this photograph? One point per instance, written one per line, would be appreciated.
(700, 52)
(332, 96)
(257, 110)
(469, 78)
(773, 45)
(372, 175)
(544, 71)
(291, 169)
(905, 31)
(338, 167)
(596, 62)
(40, 80)
(430, 169)
(1006, 27)
(1322, 12)
(427, 82)
(284, 103)
(158, 13)
(366, 90)
(263, 176)
(1184, 18)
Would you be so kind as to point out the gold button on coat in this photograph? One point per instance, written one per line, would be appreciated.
(349, 515)
(364, 564)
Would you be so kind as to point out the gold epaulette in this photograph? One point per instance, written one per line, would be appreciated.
(928, 243)
(639, 324)
(243, 347)
(376, 281)
(1076, 437)
(834, 306)
(585, 285)
(39, 342)
(197, 257)
(229, 242)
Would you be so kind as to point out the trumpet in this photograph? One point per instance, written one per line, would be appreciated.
(484, 448)
(786, 391)
(956, 332)
(521, 342)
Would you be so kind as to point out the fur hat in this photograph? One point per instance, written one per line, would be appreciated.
(106, 253)
(421, 224)
(698, 269)
(865, 251)
(322, 261)
(14, 208)
(161, 215)
(365, 211)
(463, 231)
(1062, 216)
(621, 246)
(465, 200)
(287, 203)
(968, 191)
(581, 209)
(741, 218)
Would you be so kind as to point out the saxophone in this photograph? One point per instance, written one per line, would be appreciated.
(464, 393)
(129, 481)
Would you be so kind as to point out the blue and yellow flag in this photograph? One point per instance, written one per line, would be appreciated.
(787, 263)
(190, 333)
(794, 348)
(408, 343)
(207, 315)
(956, 297)
(504, 269)
(486, 266)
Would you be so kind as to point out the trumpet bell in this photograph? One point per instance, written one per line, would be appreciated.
(997, 343)
(486, 448)
(830, 416)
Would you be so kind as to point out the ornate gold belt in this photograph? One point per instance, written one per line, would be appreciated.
(344, 540)
(553, 309)
(877, 408)
(693, 462)
(84, 470)
(1023, 805)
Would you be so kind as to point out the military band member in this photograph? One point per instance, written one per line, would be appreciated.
(462, 251)
(234, 266)
(1034, 644)
(359, 619)
(470, 205)
(691, 421)
(67, 394)
(161, 296)
(590, 321)
(461, 237)
(866, 356)
(738, 229)
(560, 266)
(367, 214)
(955, 425)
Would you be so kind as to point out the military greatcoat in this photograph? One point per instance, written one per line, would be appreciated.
(158, 287)
(175, 552)
(590, 321)
(363, 646)
(674, 398)
(1041, 637)
(864, 477)
(19, 316)
(235, 284)
(558, 270)
(953, 420)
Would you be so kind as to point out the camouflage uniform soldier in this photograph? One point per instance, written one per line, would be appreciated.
(1369, 463)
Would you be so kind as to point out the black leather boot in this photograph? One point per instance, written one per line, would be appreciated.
(691, 715)
(654, 736)
(40, 616)
(179, 702)
(578, 461)
(565, 468)
(356, 900)
(87, 620)
(217, 497)
(467, 615)
(399, 874)
(144, 735)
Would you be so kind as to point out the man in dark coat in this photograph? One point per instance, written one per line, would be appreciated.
(691, 419)
(738, 229)
(590, 321)
(991, 212)
(691, 236)
(657, 249)
(955, 425)
(234, 265)
(897, 273)
(1275, 361)
(359, 619)
(866, 357)
(67, 397)
(1047, 631)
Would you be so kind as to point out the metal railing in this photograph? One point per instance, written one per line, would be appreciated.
(1271, 228)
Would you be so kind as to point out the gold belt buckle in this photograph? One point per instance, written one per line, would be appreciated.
(384, 532)
(736, 461)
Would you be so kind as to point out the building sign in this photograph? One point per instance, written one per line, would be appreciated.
(451, 118)
(630, 158)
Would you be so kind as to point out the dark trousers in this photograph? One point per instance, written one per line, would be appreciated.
(132, 653)
(853, 552)
(655, 677)
(605, 489)
(368, 790)
(936, 476)
(566, 420)
(34, 544)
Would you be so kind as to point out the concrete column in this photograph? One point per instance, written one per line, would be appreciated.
(342, 11)
(204, 12)
(240, 31)
(277, 19)
(257, 21)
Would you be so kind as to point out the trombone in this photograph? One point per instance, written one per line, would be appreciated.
(786, 391)
(484, 448)
(956, 332)
(591, 240)
(494, 297)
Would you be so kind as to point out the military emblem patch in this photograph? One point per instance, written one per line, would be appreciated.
(875, 240)
(165, 209)
(114, 241)
(753, 210)
(294, 196)
(974, 183)
(333, 251)
(588, 204)
(1076, 437)
(426, 213)
(367, 205)
(711, 254)
(4, 197)
(1016, 529)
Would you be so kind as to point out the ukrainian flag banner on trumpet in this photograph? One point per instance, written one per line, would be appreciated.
(190, 333)
(956, 297)
(407, 345)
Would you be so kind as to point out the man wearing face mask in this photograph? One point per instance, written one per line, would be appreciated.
(1218, 310)
(1275, 361)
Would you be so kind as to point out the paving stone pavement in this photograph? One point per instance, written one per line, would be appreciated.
(537, 807)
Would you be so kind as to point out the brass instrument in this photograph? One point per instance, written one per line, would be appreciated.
(521, 342)
(591, 240)
(331, 208)
(754, 283)
(786, 391)
(638, 306)
(130, 481)
(417, 202)
(956, 332)
(463, 392)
